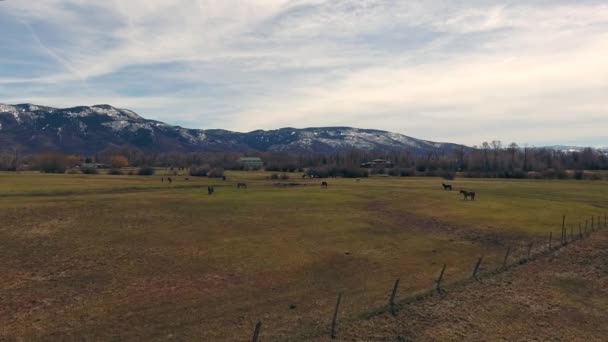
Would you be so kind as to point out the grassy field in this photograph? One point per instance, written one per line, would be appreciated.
(95, 257)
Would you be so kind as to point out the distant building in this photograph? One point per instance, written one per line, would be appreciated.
(378, 163)
(94, 166)
(252, 163)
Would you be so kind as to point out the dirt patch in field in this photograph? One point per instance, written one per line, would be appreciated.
(424, 224)
(557, 297)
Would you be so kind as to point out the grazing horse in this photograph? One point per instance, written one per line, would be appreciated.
(224, 178)
(170, 180)
(447, 186)
(210, 190)
(324, 185)
(186, 179)
(468, 194)
(241, 185)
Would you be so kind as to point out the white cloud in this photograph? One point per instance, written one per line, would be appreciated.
(520, 70)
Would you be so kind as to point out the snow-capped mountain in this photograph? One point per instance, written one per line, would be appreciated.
(86, 130)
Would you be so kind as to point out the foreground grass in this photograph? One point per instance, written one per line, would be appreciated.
(126, 257)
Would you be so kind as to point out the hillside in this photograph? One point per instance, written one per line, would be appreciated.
(88, 130)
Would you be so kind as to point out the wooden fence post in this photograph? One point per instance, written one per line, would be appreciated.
(504, 263)
(334, 321)
(571, 233)
(563, 238)
(391, 302)
(440, 279)
(256, 332)
(476, 269)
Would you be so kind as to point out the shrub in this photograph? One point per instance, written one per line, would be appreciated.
(199, 171)
(347, 172)
(519, 174)
(579, 174)
(562, 174)
(216, 173)
(90, 170)
(284, 176)
(379, 171)
(118, 161)
(407, 172)
(50, 163)
(393, 172)
(115, 172)
(146, 171)
(318, 172)
(274, 176)
(473, 174)
(448, 175)
(592, 176)
(73, 172)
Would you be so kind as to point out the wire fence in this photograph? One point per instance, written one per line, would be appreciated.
(514, 256)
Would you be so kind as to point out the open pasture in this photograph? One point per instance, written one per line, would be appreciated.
(95, 257)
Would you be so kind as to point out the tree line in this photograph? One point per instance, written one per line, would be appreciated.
(490, 159)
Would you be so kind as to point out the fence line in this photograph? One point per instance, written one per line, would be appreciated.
(544, 249)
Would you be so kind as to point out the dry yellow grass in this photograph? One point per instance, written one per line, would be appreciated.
(129, 258)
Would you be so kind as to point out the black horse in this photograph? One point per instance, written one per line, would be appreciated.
(468, 194)
(324, 185)
(447, 186)
(210, 190)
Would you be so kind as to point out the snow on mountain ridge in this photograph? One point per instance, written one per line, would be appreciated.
(86, 129)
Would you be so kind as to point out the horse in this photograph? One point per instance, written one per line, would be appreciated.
(162, 180)
(468, 194)
(447, 186)
(241, 185)
(186, 179)
(210, 190)
(324, 185)
(170, 180)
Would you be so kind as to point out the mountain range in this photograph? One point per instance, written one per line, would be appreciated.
(87, 130)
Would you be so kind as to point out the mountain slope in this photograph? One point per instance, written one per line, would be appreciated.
(86, 130)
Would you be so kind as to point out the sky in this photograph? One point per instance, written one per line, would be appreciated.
(533, 72)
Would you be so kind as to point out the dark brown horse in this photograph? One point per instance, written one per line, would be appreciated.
(324, 185)
(468, 194)
(447, 186)
(241, 185)
(210, 190)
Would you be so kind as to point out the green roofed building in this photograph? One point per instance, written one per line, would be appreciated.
(252, 163)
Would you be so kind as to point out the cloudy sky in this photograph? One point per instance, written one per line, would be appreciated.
(533, 71)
